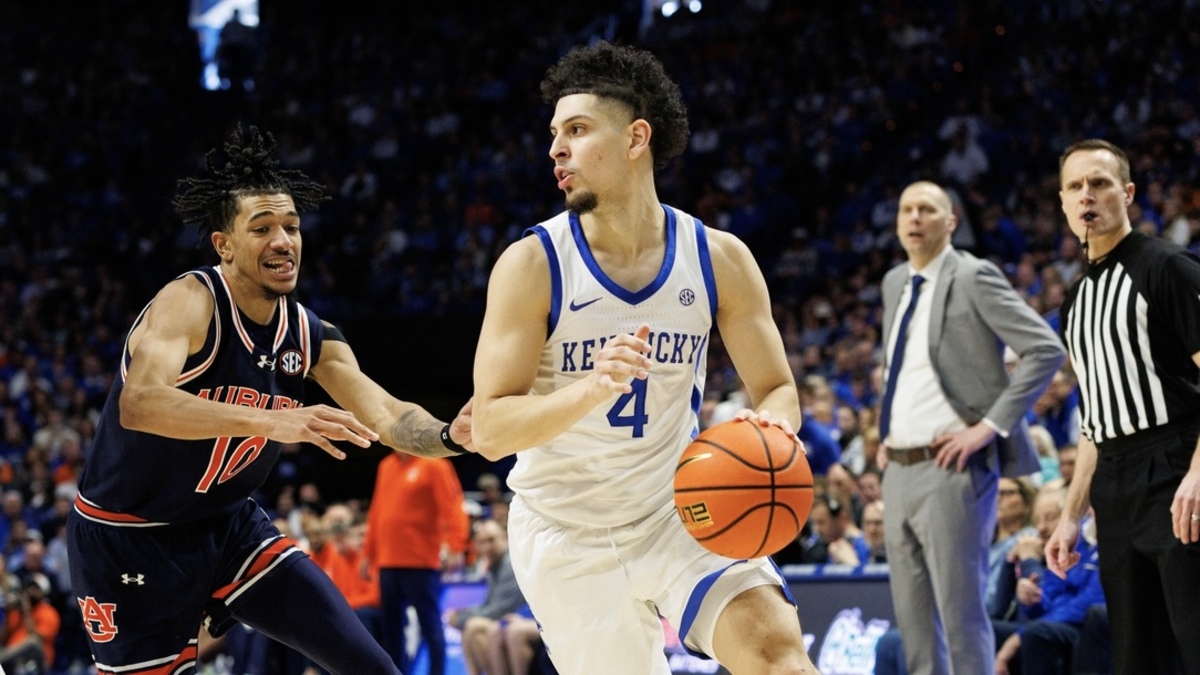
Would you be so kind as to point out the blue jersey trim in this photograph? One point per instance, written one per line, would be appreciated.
(710, 281)
(693, 605)
(787, 590)
(700, 591)
(556, 292)
(630, 297)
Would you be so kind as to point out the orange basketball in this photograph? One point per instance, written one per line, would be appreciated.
(743, 490)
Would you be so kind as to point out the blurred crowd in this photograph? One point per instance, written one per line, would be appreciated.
(428, 130)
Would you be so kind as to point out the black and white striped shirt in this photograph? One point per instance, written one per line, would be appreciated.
(1131, 325)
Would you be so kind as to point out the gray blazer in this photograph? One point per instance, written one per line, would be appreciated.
(976, 312)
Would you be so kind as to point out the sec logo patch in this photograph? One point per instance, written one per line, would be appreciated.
(291, 362)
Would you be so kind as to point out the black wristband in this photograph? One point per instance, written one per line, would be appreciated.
(450, 444)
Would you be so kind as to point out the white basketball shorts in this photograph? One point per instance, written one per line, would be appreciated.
(598, 592)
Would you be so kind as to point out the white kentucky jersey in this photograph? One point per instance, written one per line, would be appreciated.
(616, 465)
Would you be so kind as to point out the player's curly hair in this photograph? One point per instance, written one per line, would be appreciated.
(632, 76)
(249, 169)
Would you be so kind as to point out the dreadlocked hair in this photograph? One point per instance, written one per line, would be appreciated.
(249, 169)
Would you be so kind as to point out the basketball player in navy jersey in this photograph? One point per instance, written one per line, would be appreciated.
(164, 534)
(590, 367)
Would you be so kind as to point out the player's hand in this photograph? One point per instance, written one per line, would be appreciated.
(1185, 508)
(881, 457)
(1060, 549)
(763, 418)
(460, 426)
(953, 450)
(623, 358)
(320, 424)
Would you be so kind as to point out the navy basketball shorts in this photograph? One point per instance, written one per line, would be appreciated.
(144, 591)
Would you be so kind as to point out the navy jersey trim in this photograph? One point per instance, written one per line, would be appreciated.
(280, 311)
(205, 361)
(192, 374)
(630, 297)
(125, 356)
(98, 514)
(303, 318)
(556, 283)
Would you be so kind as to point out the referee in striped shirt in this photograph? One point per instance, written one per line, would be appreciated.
(1132, 328)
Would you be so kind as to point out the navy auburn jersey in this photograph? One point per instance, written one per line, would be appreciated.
(140, 479)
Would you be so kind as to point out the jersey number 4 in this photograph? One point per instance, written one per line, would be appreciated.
(243, 456)
(619, 414)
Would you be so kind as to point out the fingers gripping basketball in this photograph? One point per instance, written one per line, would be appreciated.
(743, 490)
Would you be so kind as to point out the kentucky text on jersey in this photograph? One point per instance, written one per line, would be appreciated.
(249, 397)
(578, 355)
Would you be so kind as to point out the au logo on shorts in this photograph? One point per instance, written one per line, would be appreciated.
(694, 516)
(98, 618)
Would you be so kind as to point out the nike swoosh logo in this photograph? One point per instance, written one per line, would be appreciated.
(576, 307)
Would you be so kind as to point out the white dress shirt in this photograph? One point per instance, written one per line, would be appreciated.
(920, 410)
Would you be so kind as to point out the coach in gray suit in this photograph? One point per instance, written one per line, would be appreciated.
(951, 420)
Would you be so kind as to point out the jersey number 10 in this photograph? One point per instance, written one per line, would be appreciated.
(243, 456)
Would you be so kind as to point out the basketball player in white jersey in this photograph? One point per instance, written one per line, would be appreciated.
(591, 366)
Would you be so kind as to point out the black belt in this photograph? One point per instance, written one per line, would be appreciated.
(908, 456)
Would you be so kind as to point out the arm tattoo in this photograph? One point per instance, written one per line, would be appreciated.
(419, 435)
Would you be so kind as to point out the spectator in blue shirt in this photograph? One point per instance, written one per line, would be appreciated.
(1055, 609)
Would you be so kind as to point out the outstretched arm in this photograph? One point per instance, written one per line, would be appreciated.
(174, 327)
(401, 425)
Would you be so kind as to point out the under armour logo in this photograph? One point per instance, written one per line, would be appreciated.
(137, 579)
(264, 362)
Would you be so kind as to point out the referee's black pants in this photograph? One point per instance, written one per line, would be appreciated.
(1151, 581)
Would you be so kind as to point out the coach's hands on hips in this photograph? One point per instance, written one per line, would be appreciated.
(623, 358)
(956, 448)
(1185, 508)
(320, 424)
(763, 418)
